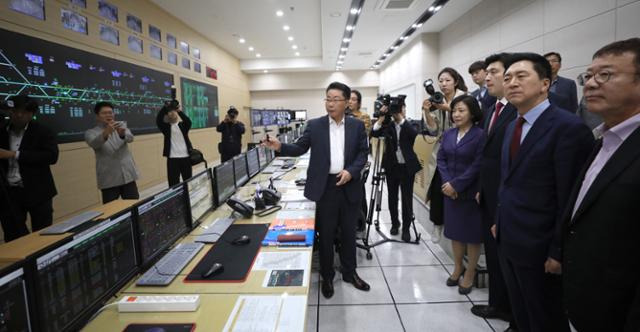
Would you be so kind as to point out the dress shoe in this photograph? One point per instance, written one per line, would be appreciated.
(452, 282)
(327, 288)
(436, 235)
(358, 283)
(464, 290)
(394, 230)
(406, 236)
(485, 311)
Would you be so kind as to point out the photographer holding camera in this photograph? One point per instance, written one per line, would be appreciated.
(399, 161)
(174, 125)
(232, 130)
(437, 115)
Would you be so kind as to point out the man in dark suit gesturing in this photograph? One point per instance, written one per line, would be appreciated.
(601, 268)
(543, 150)
(338, 153)
(27, 150)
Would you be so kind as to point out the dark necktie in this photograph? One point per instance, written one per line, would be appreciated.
(499, 107)
(515, 139)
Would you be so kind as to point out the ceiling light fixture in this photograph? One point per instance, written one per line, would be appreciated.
(290, 38)
(241, 40)
(265, 71)
(250, 48)
(279, 13)
(295, 47)
(354, 11)
(432, 8)
(258, 55)
(285, 28)
(437, 8)
(297, 53)
(349, 28)
(346, 40)
(341, 56)
(343, 49)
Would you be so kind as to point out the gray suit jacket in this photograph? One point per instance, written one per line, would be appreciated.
(114, 162)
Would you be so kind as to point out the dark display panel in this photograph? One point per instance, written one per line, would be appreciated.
(200, 103)
(240, 170)
(161, 220)
(224, 181)
(67, 83)
(72, 279)
(14, 307)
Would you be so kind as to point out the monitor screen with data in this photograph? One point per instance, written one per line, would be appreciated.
(161, 221)
(240, 170)
(14, 305)
(262, 156)
(200, 196)
(253, 163)
(224, 182)
(72, 280)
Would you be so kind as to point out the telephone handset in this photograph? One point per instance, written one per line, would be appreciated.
(241, 207)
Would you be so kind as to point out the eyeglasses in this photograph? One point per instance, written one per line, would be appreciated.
(600, 77)
(329, 101)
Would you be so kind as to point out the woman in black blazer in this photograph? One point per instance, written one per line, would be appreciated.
(175, 125)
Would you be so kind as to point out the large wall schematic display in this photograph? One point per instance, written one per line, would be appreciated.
(200, 102)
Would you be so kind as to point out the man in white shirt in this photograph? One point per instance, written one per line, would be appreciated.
(338, 154)
(174, 125)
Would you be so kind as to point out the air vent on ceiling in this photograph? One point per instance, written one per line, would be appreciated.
(396, 4)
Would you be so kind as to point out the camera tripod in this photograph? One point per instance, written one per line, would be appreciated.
(373, 217)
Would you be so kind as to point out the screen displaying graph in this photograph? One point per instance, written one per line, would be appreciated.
(200, 103)
(67, 82)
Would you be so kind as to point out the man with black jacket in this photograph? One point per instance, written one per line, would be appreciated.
(401, 165)
(174, 125)
(27, 149)
(232, 130)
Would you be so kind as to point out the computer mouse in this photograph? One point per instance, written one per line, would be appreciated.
(242, 240)
(216, 268)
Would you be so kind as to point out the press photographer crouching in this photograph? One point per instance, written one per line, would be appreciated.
(399, 160)
(232, 130)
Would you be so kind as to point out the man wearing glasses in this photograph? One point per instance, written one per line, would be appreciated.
(338, 153)
(601, 263)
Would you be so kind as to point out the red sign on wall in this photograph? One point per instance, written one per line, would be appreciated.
(212, 73)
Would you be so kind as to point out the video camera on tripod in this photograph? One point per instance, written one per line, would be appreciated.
(393, 104)
(435, 97)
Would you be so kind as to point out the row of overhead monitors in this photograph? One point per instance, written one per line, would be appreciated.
(60, 288)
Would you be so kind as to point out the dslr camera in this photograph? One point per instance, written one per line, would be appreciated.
(435, 97)
(172, 104)
(232, 112)
(394, 106)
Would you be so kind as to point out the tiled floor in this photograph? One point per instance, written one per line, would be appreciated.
(408, 291)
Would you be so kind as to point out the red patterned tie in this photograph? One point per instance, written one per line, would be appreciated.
(515, 139)
(499, 107)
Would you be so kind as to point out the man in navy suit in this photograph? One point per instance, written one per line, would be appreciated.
(339, 152)
(543, 150)
(564, 90)
(478, 73)
(601, 267)
(499, 116)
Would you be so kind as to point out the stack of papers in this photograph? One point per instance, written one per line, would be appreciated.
(291, 231)
(267, 313)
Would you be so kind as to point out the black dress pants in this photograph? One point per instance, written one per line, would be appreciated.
(13, 213)
(177, 167)
(125, 191)
(498, 297)
(335, 210)
(535, 296)
(436, 200)
(398, 178)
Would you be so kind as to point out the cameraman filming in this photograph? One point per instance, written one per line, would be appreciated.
(232, 130)
(399, 161)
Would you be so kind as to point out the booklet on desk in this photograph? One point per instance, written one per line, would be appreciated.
(287, 238)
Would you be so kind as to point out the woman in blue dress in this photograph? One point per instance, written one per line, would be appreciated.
(459, 160)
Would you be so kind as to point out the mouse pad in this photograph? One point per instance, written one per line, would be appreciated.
(236, 259)
(160, 328)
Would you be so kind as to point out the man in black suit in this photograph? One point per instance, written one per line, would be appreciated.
(478, 73)
(27, 149)
(400, 164)
(563, 91)
(338, 154)
(232, 130)
(601, 267)
(499, 116)
(175, 125)
(543, 150)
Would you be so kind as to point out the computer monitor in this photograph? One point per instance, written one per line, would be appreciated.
(200, 196)
(270, 155)
(262, 156)
(72, 280)
(240, 170)
(162, 219)
(224, 182)
(14, 303)
(253, 164)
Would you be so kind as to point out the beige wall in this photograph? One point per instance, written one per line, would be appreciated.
(75, 171)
